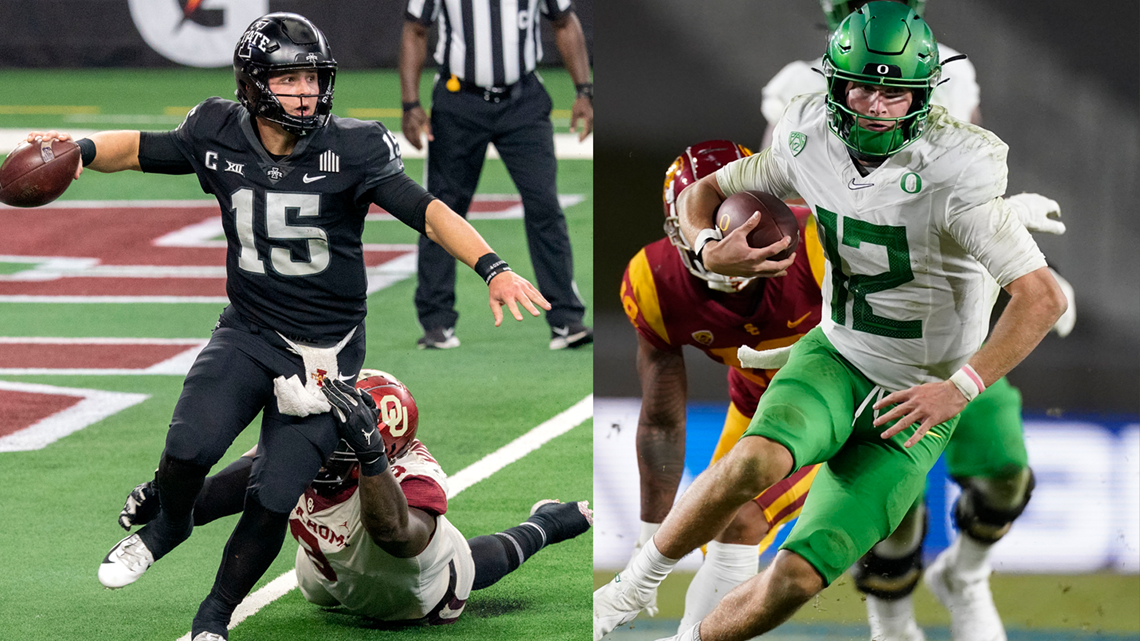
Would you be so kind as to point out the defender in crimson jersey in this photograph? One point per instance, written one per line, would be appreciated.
(671, 302)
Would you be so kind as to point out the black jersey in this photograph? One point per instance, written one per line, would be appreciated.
(294, 260)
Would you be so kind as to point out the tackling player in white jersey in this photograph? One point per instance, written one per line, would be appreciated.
(371, 528)
(908, 201)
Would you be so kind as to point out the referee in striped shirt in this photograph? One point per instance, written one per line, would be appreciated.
(487, 92)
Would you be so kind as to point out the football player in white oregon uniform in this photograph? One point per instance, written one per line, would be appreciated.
(987, 455)
(908, 202)
(379, 544)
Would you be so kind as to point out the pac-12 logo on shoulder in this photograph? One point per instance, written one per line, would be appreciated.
(796, 142)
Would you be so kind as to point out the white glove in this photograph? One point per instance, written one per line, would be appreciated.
(766, 359)
(1037, 213)
(1064, 324)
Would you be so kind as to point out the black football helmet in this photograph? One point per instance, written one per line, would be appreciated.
(283, 42)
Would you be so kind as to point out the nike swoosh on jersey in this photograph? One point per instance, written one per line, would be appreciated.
(801, 319)
(307, 179)
(852, 185)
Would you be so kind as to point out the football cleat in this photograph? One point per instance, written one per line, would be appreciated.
(125, 563)
(438, 338)
(570, 337)
(561, 521)
(973, 615)
(208, 636)
(617, 603)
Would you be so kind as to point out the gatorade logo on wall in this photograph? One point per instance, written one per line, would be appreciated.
(197, 33)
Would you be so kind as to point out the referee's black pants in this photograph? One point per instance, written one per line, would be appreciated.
(462, 124)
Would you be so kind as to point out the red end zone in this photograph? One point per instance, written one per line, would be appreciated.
(20, 410)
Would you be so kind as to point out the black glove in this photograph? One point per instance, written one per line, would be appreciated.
(141, 507)
(357, 421)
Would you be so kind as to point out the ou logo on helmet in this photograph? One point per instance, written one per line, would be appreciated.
(171, 30)
(394, 414)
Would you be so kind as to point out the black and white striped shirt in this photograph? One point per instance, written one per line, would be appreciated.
(487, 42)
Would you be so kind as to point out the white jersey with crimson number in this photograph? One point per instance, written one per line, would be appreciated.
(907, 246)
(338, 563)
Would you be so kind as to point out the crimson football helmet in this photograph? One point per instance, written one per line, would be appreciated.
(399, 416)
(695, 163)
(283, 42)
(398, 421)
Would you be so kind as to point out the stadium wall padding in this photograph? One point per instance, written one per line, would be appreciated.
(110, 33)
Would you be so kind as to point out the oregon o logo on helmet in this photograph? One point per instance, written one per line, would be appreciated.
(911, 183)
(883, 70)
(172, 31)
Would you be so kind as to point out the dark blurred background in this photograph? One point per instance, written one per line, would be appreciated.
(44, 33)
(1060, 83)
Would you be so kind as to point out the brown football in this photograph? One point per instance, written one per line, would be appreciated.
(37, 173)
(776, 220)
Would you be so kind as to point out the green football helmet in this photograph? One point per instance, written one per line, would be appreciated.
(888, 44)
(836, 10)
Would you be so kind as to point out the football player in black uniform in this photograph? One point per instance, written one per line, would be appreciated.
(294, 184)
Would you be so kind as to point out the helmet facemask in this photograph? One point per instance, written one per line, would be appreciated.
(339, 472)
(882, 44)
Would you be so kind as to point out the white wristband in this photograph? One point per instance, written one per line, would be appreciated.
(703, 238)
(968, 382)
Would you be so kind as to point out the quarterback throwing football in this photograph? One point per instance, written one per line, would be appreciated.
(294, 183)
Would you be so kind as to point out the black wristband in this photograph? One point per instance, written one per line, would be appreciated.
(489, 266)
(374, 467)
(408, 106)
(86, 150)
(585, 89)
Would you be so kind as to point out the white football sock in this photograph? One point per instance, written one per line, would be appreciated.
(726, 566)
(889, 619)
(969, 557)
(647, 532)
(692, 634)
(649, 567)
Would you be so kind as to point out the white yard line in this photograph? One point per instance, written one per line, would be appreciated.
(461, 480)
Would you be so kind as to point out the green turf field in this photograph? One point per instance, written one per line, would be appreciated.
(62, 501)
(1042, 607)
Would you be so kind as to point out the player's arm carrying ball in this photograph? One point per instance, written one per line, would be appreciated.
(730, 255)
(396, 529)
(460, 239)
